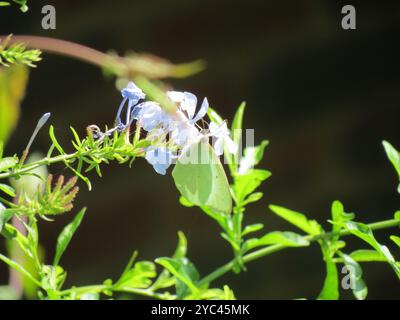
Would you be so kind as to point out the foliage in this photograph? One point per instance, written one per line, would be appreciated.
(16, 53)
(169, 127)
(22, 4)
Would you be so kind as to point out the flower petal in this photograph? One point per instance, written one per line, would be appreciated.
(189, 104)
(150, 116)
(160, 158)
(202, 111)
(219, 146)
(133, 92)
(231, 145)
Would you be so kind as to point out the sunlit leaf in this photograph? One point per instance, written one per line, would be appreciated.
(7, 189)
(19, 268)
(252, 228)
(394, 157)
(164, 280)
(396, 240)
(285, 238)
(137, 277)
(330, 289)
(185, 273)
(358, 285)
(13, 82)
(66, 235)
(298, 219)
(364, 232)
(7, 163)
(245, 184)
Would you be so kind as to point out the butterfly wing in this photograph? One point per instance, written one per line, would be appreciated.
(201, 179)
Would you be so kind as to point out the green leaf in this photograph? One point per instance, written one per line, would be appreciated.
(396, 240)
(252, 157)
(19, 268)
(213, 294)
(252, 228)
(201, 179)
(365, 255)
(28, 185)
(164, 280)
(7, 163)
(55, 141)
(8, 293)
(76, 136)
(254, 197)
(12, 83)
(66, 235)
(247, 183)
(298, 219)
(339, 217)
(53, 277)
(5, 216)
(184, 271)
(285, 238)
(364, 232)
(137, 277)
(214, 116)
(397, 215)
(237, 125)
(394, 157)
(357, 284)
(181, 248)
(7, 189)
(330, 290)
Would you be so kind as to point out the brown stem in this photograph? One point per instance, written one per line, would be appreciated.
(67, 48)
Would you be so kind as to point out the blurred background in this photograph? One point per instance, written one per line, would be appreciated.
(324, 97)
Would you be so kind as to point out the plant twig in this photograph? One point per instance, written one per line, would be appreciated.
(278, 247)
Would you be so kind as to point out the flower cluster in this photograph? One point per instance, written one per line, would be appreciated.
(170, 133)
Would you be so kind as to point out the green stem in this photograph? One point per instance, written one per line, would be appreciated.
(45, 161)
(101, 288)
(278, 247)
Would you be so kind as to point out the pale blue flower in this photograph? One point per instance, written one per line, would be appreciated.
(150, 115)
(133, 94)
(160, 158)
(222, 137)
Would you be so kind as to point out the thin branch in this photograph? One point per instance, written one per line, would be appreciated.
(278, 247)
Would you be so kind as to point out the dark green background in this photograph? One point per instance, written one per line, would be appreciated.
(324, 97)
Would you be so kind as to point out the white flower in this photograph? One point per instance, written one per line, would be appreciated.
(185, 133)
(184, 128)
(188, 102)
(222, 135)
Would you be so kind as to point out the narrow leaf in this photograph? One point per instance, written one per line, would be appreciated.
(298, 219)
(19, 268)
(7, 189)
(66, 235)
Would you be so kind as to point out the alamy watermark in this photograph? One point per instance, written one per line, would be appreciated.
(349, 18)
(49, 18)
